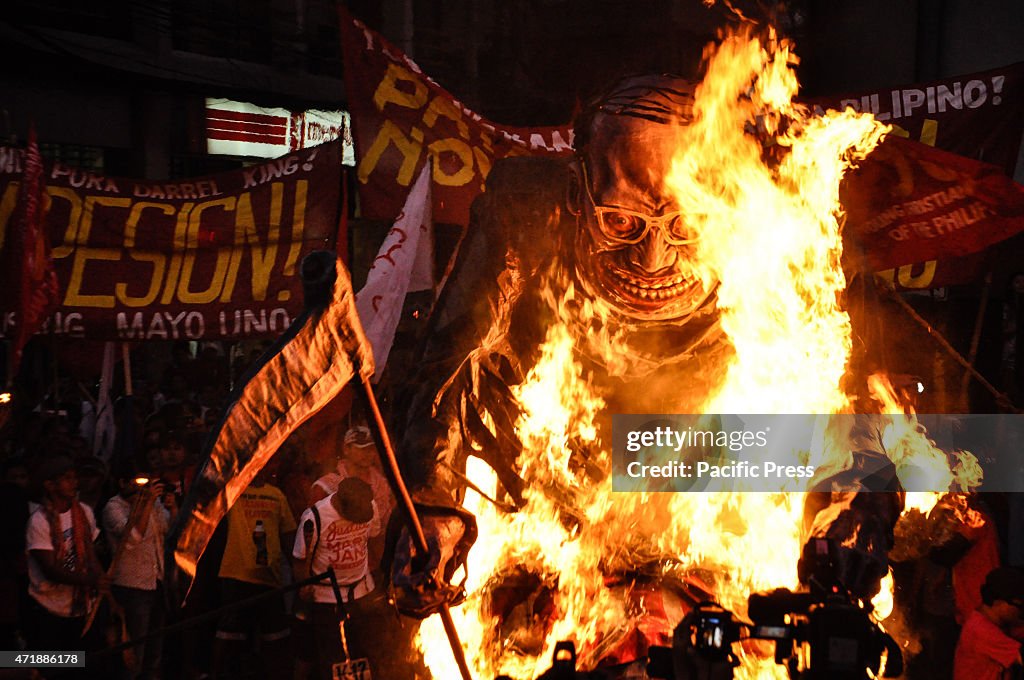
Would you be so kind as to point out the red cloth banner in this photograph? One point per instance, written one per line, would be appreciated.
(936, 273)
(924, 216)
(978, 115)
(27, 256)
(909, 203)
(400, 117)
(207, 258)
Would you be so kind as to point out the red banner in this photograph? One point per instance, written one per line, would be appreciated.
(919, 214)
(27, 259)
(213, 257)
(936, 273)
(979, 115)
(400, 117)
(910, 203)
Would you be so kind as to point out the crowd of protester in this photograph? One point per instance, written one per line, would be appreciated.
(83, 538)
(84, 532)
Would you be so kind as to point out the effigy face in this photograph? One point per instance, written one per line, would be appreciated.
(634, 249)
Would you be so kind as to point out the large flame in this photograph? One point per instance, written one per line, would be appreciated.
(765, 206)
(758, 177)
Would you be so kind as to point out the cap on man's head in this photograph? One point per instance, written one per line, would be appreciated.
(358, 436)
(1003, 583)
(355, 500)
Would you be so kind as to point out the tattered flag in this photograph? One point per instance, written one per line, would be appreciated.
(308, 366)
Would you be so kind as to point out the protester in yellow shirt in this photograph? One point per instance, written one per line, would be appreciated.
(259, 523)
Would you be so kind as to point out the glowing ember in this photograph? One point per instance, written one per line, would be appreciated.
(883, 602)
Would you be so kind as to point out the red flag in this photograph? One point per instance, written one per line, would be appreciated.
(893, 202)
(36, 292)
(400, 116)
(911, 203)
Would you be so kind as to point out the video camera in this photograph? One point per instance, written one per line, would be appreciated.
(821, 633)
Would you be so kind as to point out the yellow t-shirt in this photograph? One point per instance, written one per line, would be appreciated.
(251, 557)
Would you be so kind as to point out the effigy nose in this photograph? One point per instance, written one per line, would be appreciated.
(654, 254)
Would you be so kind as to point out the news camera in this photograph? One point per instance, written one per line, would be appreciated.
(563, 666)
(823, 632)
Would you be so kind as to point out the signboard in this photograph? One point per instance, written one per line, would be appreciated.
(243, 129)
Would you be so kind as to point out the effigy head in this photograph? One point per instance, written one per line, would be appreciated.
(633, 248)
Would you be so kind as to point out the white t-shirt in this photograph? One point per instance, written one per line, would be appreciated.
(141, 564)
(382, 494)
(58, 598)
(342, 546)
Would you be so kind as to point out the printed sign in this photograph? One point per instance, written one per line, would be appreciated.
(207, 258)
(357, 669)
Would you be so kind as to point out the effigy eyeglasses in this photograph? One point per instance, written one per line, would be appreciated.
(630, 227)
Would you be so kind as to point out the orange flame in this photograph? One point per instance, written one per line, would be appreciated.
(918, 461)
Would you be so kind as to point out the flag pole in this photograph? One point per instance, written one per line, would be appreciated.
(126, 365)
(390, 461)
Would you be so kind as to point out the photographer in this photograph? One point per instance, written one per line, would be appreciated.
(985, 650)
(136, 522)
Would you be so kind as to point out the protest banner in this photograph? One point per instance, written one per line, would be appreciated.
(400, 117)
(206, 258)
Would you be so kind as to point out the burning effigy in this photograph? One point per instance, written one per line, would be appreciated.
(686, 260)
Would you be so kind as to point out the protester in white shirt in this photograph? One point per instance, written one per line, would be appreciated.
(136, 522)
(334, 533)
(64, 572)
(360, 459)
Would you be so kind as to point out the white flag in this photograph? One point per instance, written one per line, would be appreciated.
(407, 248)
(106, 428)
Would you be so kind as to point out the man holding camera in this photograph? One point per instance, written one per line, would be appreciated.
(985, 650)
(136, 522)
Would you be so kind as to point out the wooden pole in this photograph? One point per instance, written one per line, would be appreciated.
(1001, 397)
(390, 461)
(979, 321)
(126, 363)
